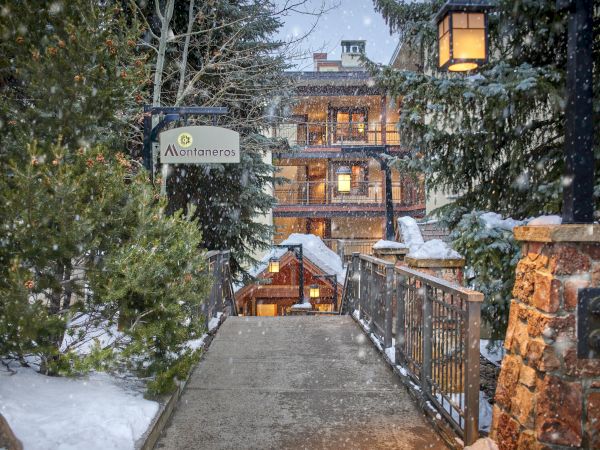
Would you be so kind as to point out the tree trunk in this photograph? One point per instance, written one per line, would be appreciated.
(184, 56)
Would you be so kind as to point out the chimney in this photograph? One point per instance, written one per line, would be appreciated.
(318, 57)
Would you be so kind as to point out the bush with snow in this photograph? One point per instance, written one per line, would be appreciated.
(486, 240)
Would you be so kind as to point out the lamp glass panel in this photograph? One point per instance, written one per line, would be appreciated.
(476, 20)
(468, 43)
(460, 20)
(314, 292)
(274, 266)
(444, 48)
(344, 182)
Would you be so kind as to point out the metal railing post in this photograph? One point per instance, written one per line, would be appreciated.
(400, 316)
(389, 293)
(427, 338)
(355, 281)
(219, 288)
(472, 371)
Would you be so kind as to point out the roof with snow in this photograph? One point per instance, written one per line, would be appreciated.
(313, 249)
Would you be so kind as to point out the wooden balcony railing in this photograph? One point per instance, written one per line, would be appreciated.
(366, 192)
(323, 134)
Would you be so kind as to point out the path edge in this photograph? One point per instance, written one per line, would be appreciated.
(168, 403)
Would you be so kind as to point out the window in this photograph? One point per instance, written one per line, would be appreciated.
(350, 124)
(359, 178)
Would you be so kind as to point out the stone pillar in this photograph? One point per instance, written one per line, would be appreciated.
(546, 397)
(447, 269)
(393, 255)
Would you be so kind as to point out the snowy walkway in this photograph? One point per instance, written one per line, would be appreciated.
(295, 382)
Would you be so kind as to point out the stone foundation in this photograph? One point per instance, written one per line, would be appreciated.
(546, 397)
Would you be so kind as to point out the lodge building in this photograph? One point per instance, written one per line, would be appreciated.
(336, 186)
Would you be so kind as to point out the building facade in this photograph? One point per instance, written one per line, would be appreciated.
(341, 130)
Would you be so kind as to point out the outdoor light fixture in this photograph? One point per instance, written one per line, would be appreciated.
(274, 265)
(462, 35)
(344, 177)
(314, 291)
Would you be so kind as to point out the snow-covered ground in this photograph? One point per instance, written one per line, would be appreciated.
(95, 412)
(493, 351)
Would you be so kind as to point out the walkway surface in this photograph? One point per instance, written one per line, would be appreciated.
(297, 383)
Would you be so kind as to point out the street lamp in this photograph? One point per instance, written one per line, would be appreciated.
(578, 177)
(344, 179)
(314, 291)
(462, 35)
(274, 265)
(333, 280)
(297, 250)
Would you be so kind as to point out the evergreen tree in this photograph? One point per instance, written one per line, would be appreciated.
(494, 137)
(225, 56)
(86, 247)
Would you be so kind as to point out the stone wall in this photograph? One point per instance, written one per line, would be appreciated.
(546, 397)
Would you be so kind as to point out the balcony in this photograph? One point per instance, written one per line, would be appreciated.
(329, 134)
(367, 193)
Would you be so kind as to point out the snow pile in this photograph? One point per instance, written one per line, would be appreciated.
(383, 244)
(85, 332)
(419, 249)
(305, 305)
(97, 412)
(493, 351)
(495, 220)
(545, 220)
(434, 249)
(411, 235)
(214, 322)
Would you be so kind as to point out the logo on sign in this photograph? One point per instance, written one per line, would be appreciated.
(185, 140)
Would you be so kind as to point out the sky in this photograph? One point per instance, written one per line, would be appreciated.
(348, 19)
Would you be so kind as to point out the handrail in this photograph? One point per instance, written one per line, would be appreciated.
(434, 330)
(468, 294)
(221, 298)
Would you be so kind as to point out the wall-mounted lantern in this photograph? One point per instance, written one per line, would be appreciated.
(344, 179)
(314, 291)
(462, 35)
(274, 265)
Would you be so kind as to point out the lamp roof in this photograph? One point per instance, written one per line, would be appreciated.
(464, 6)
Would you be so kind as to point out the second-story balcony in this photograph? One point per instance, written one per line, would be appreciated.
(329, 134)
(368, 193)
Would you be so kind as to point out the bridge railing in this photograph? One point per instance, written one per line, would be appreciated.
(433, 327)
(221, 298)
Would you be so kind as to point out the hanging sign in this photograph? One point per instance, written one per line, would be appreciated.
(199, 145)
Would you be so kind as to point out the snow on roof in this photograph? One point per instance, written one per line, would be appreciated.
(411, 235)
(383, 244)
(495, 220)
(434, 249)
(545, 220)
(319, 254)
(313, 248)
